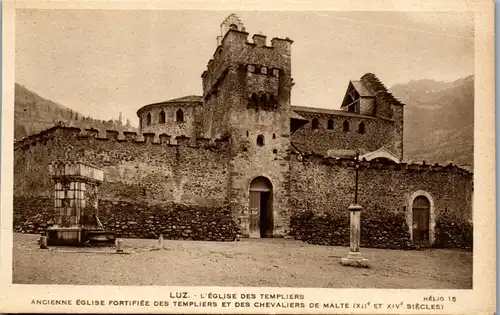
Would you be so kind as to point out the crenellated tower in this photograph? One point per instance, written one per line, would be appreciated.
(246, 95)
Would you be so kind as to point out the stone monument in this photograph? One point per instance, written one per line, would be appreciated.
(76, 205)
(354, 258)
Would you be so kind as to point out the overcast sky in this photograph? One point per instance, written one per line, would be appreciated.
(102, 62)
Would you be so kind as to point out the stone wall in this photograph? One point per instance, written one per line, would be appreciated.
(192, 172)
(325, 188)
(136, 219)
(377, 133)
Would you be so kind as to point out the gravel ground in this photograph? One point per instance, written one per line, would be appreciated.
(249, 262)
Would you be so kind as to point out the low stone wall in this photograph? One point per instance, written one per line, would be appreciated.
(387, 231)
(452, 233)
(137, 220)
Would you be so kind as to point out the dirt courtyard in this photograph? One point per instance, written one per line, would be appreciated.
(249, 262)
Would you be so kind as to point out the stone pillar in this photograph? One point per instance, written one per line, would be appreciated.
(354, 257)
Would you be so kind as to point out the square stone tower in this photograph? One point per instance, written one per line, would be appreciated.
(246, 94)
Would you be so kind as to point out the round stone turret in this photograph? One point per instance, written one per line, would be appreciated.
(177, 117)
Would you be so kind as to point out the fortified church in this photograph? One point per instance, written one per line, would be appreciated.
(271, 168)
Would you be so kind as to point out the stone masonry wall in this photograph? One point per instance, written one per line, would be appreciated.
(189, 127)
(378, 133)
(136, 219)
(321, 191)
(154, 173)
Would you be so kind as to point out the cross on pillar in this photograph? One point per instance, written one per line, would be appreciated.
(354, 258)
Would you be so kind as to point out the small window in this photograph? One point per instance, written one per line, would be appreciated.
(272, 100)
(330, 124)
(361, 128)
(274, 136)
(260, 140)
(263, 101)
(275, 151)
(346, 126)
(247, 133)
(148, 119)
(254, 101)
(315, 123)
(161, 117)
(233, 27)
(179, 115)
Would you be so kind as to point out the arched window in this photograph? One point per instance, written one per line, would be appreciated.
(263, 101)
(330, 124)
(272, 100)
(179, 115)
(161, 117)
(260, 140)
(315, 123)
(254, 101)
(148, 119)
(233, 27)
(346, 126)
(361, 128)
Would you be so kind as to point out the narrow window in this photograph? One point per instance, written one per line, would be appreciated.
(247, 133)
(346, 125)
(161, 118)
(272, 101)
(260, 140)
(254, 101)
(179, 115)
(263, 101)
(274, 136)
(361, 128)
(330, 124)
(148, 119)
(315, 123)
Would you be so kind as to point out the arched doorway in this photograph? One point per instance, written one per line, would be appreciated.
(261, 208)
(421, 220)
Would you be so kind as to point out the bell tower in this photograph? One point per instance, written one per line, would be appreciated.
(246, 91)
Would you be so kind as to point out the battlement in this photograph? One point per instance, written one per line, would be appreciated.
(234, 40)
(60, 131)
(382, 164)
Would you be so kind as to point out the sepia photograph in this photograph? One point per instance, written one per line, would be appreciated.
(266, 149)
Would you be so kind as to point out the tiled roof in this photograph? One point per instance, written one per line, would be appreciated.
(186, 99)
(371, 82)
(193, 99)
(335, 112)
(362, 90)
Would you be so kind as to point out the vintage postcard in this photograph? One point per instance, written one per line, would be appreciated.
(255, 158)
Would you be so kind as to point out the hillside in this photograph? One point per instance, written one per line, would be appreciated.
(439, 120)
(33, 113)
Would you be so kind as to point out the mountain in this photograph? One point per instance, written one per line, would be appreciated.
(33, 113)
(439, 120)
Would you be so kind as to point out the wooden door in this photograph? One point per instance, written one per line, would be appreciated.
(254, 215)
(420, 209)
(266, 217)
